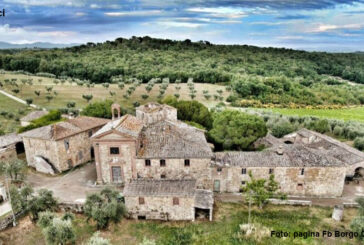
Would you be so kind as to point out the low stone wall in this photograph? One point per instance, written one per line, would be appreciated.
(8, 220)
(71, 207)
(290, 202)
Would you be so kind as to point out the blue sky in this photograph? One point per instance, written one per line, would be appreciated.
(328, 25)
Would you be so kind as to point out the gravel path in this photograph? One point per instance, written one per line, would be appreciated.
(16, 98)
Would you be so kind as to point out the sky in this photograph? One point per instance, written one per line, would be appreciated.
(322, 25)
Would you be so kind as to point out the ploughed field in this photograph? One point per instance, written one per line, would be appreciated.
(301, 223)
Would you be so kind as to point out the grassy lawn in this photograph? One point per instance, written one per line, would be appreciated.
(356, 113)
(223, 230)
(9, 123)
(67, 92)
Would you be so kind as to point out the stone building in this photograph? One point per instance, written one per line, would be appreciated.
(25, 121)
(299, 171)
(10, 146)
(61, 146)
(153, 145)
(352, 158)
(167, 199)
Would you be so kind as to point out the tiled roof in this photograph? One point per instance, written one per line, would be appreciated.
(9, 139)
(65, 129)
(127, 124)
(331, 147)
(33, 115)
(293, 156)
(204, 199)
(149, 187)
(167, 139)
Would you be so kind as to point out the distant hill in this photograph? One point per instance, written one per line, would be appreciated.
(41, 45)
(259, 75)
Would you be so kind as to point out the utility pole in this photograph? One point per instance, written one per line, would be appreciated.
(7, 188)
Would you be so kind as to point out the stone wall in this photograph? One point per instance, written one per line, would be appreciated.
(166, 113)
(55, 151)
(8, 154)
(44, 148)
(316, 181)
(161, 208)
(199, 169)
(125, 159)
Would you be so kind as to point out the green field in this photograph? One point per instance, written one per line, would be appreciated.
(223, 230)
(71, 92)
(17, 110)
(354, 114)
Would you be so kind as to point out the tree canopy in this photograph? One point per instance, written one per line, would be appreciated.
(236, 130)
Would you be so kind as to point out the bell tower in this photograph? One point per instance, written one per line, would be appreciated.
(115, 111)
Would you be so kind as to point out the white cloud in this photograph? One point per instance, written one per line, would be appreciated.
(20, 35)
(80, 14)
(76, 3)
(330, 27)
(220, 12)
(178, 24)
(134, 13)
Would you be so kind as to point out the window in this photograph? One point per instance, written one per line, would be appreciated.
(141, 201)
(163, 176)
(114, 151)
(243, 171)
(147, 163)
(142, 217)
(271, 171)
(66, 144)
(302, 171)
(243, 183)
(69, 163)
(162, 162)
(89, 133)
(80, 155)
(175, 201)
(219, 169)
(187, 162)
(300, 187)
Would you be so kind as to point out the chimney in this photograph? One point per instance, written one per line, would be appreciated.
(280, 150)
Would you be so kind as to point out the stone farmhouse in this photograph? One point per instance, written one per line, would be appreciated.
(167, 199)
(170, 172)
(10, 146)
(61, 146)
(154, 144)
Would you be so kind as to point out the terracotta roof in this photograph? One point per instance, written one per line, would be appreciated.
(330, 146)
(127, 124)
(33, 115)
(173, 139)
(65, 129)
(9, 139)
(293, 156)
(149, 187)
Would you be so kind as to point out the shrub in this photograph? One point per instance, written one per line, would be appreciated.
(104, 208)
(359, 143)
(56, 230)
(96, 239)
(235, 130)
(98, 109)
(282, 128)
(51, 117)
(338, 131)
(190, 111)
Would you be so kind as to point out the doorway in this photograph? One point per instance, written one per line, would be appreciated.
(217, 185)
